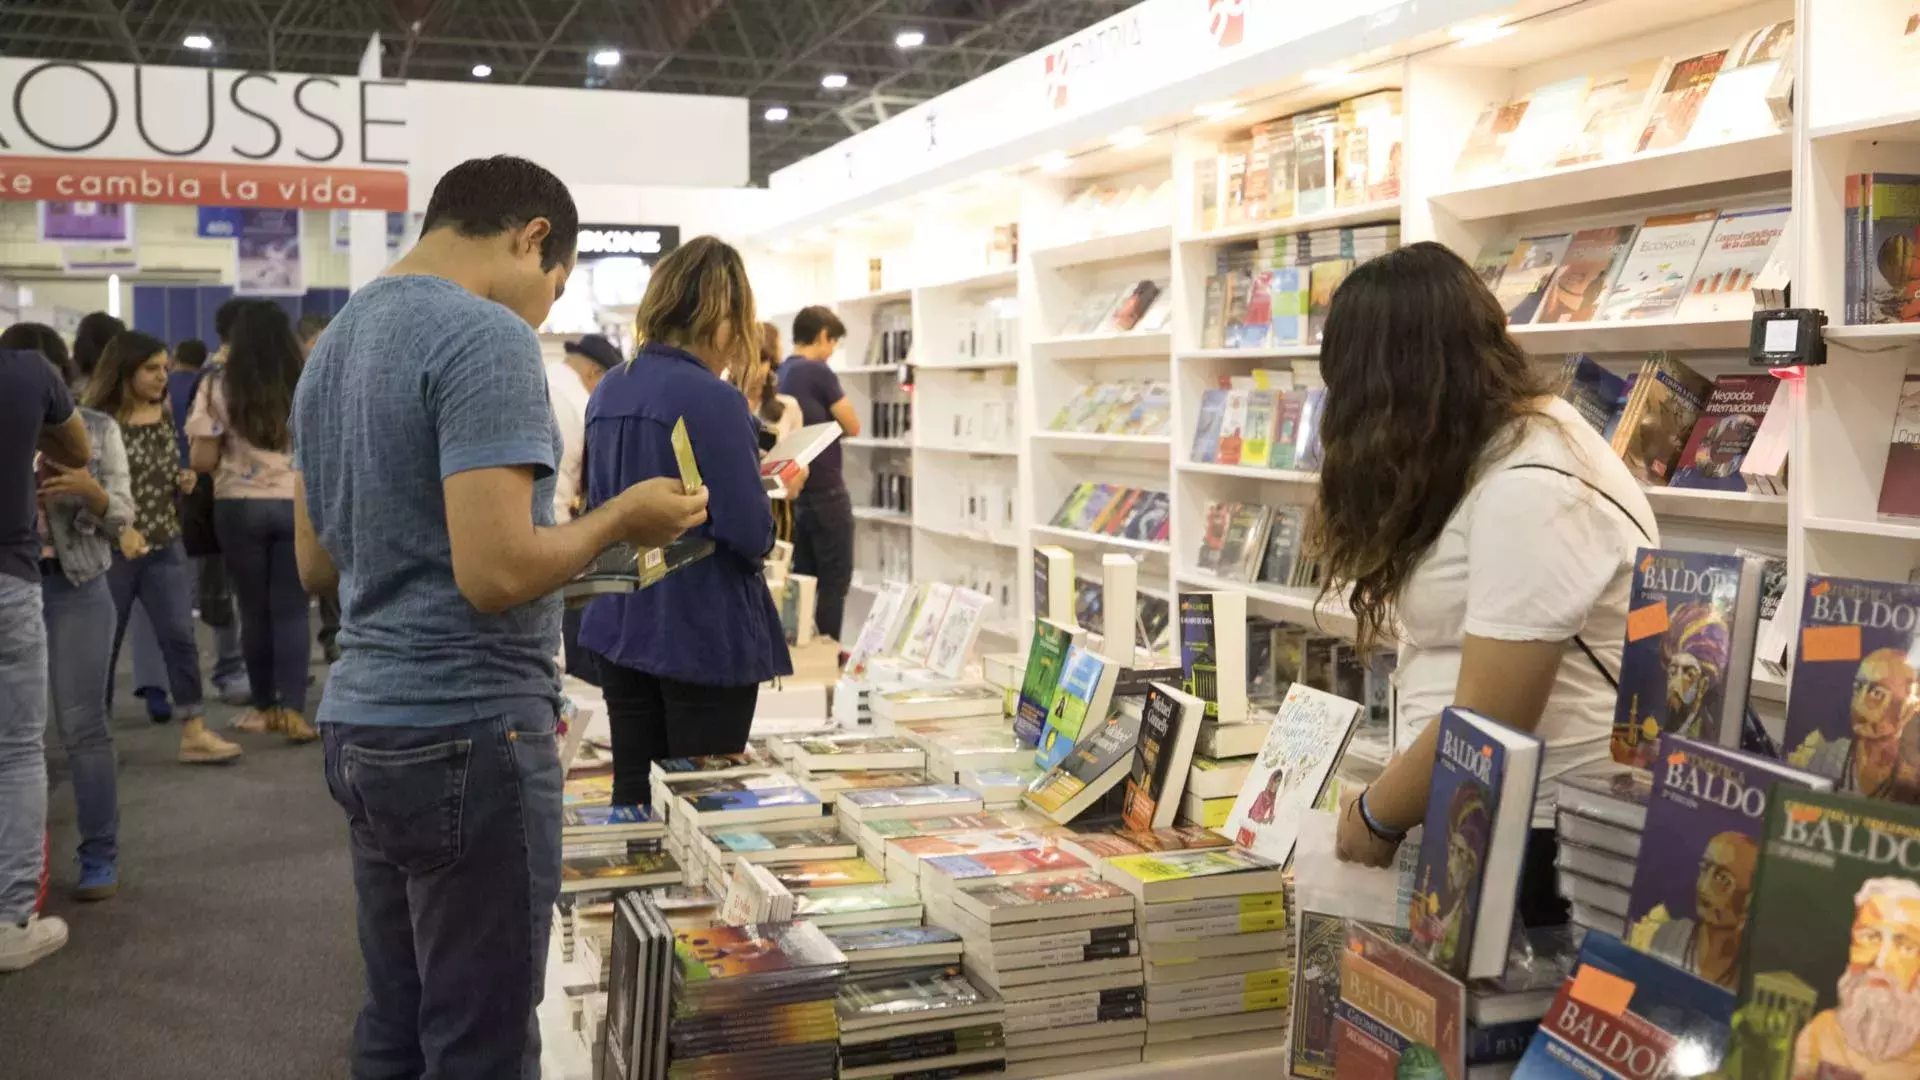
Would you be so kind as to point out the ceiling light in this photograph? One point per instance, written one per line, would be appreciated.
(777, 114)
(607, 58)
(197, 41)
(909, 39)
(1127, 138)
(1217, 110)
(481, 71)
(1479, 33)
(833, 80)
(1054, 163)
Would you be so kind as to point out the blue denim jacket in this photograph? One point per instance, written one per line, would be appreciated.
(85, 541)
(713, 623)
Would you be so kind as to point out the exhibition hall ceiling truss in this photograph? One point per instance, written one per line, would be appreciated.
(782, 55)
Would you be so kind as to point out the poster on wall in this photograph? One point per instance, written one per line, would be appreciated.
(216, 222)
(84, 222)
(267, 254)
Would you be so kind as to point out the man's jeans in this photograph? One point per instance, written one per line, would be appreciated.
(456, 862)
(23, 760)
(79, 620)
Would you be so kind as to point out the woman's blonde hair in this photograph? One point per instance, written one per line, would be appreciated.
(695, 291)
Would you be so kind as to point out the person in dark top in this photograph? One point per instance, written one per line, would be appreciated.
(37, 417)
(183, 375)
(684, 659)
(823, 514)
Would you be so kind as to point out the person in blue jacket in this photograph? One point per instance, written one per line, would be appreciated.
(686, 657)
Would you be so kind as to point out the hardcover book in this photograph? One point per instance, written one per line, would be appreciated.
(1661, 410)
(1690, 890)
(1045, 659)
(1169, 726)
(1736, 252)
(1855, 687)
(1308, 734)
(1889, 229)
(1398, 1015)
(1053, 584)
(1101, 757)
(1827, 983)
(1584, 274)
(1086, 687)
(1692, 619)
(1623, 1015)
(1479, 812)
(1678, 100)
(1653, 278)
(1900, 480)
(1592, 390)
(1529, 270)
(1724, 433)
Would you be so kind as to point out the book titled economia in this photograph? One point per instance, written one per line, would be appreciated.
(624, 568)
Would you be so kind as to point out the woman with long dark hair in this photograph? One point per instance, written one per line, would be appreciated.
(1479, 519)
(90, 339)
(684, 659)
(240, 431)
(130, 385)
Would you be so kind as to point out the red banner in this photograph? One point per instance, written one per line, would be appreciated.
(200, 183)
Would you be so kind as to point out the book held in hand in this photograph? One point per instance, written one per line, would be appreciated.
(783, 464)
(1692, 619)
(1288, 776)
(623, 568)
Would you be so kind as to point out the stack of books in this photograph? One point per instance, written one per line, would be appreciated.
(924, 1021)
(1227, 751)
(749, 799)
(829, 786)
(1064, 953)
(896, 948)
(907, 856)
(904, 803)
(716, 850)
(1599, 821)
(632, 1042)
(951, 753)
(755, 1001)
(858, 906)
(1212, 924)
(668, 770)
(875, 836)
(966, 704)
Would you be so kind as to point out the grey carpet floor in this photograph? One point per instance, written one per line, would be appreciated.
(230, 949)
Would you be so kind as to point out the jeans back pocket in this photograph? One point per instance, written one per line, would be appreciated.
(409, 801)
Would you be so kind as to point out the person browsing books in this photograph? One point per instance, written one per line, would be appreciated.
(425, 450)
(684, 658)
(1465, 507)
(823, 514)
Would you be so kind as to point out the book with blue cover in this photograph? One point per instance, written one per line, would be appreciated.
(1692, 619)
(1623, 1015)
(1045, 659)
(1086, 688)
(1690, 890)
(1479, 815)
(1856, 686)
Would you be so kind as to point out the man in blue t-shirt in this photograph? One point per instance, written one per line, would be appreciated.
(36, 417)
(823, 514)
(426, 450)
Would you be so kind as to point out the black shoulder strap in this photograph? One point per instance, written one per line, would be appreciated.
(1612, 680)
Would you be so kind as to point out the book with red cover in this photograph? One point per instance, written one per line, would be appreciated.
(1678, 102)
(1900, 483)
(1725, 431)
(1398, 1015)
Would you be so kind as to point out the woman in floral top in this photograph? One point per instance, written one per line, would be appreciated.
(130, 384)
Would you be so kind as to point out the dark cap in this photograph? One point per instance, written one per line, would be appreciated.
(597, 348)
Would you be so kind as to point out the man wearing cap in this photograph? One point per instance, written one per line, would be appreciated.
(569, 384)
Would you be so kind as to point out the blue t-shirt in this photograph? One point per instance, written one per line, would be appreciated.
(416, 380)
(814, 385)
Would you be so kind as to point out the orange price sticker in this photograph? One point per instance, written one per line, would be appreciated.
(1603, 990)
(1819, 643)
(1649, 621)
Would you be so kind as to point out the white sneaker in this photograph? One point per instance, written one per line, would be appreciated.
(22, 946)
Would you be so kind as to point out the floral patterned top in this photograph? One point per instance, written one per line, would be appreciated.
(154, 459)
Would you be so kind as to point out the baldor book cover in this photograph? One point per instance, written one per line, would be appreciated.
(1398, 1016)
(1623, 1015)
(1691, 622)
(1691, 889)
(1831, 982)
(1855, 687)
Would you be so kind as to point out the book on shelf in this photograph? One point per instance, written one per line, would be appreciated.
(1763, 469)
(1729, 422)
(1677, 101)
(1046, 658)
(1257, 435)
(1374, 130)
(1853, 683)
(1120, 603)
(930, 995)
(958, 702)
(1491, 264)
(1086, 688)
(1737, 251)
(1652, 279)
(1736, 105)
(783, 464)
(1206, 432)
(925, 625)
(1157, 777)
(1486, 149)
(1529, 270)
(1101, 758)
(1614, 114)
(1825, 970)
(746, 806)
(1692, 619)
(1053, 583)
(942, 875)
(1217, 778)
(953, 642)
(623, 568)
(1900, 479)
(1593, 391)
(777, 842)
(825, 874)
(1474, 843)
(1324, 277)
(1132, 306)
(1619, 795)
(1315, 140)
(1553, 110)
(1234, 540)
(1592, 256)
(876, 631)
(1289, 775)
(1689, 892)
(1882, 220)
(1623, 1015)
(1658, 418)
(1398, 1015)
(1213, 651)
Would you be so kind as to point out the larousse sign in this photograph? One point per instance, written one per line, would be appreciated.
(197, 135)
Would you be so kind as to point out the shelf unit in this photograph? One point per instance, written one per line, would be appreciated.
(1852, 115)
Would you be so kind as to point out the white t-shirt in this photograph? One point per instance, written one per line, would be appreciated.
(568, 396)
(1531, 555)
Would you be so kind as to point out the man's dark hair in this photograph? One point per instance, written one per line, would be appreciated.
(310, 326)
(488, 196)
(224, 315)
(811, 320)
(91, 338)
(190, 354)
(43, 339)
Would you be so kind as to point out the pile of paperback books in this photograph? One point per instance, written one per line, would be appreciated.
(1599, 820)
(755, 1001)
(924, 1021)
